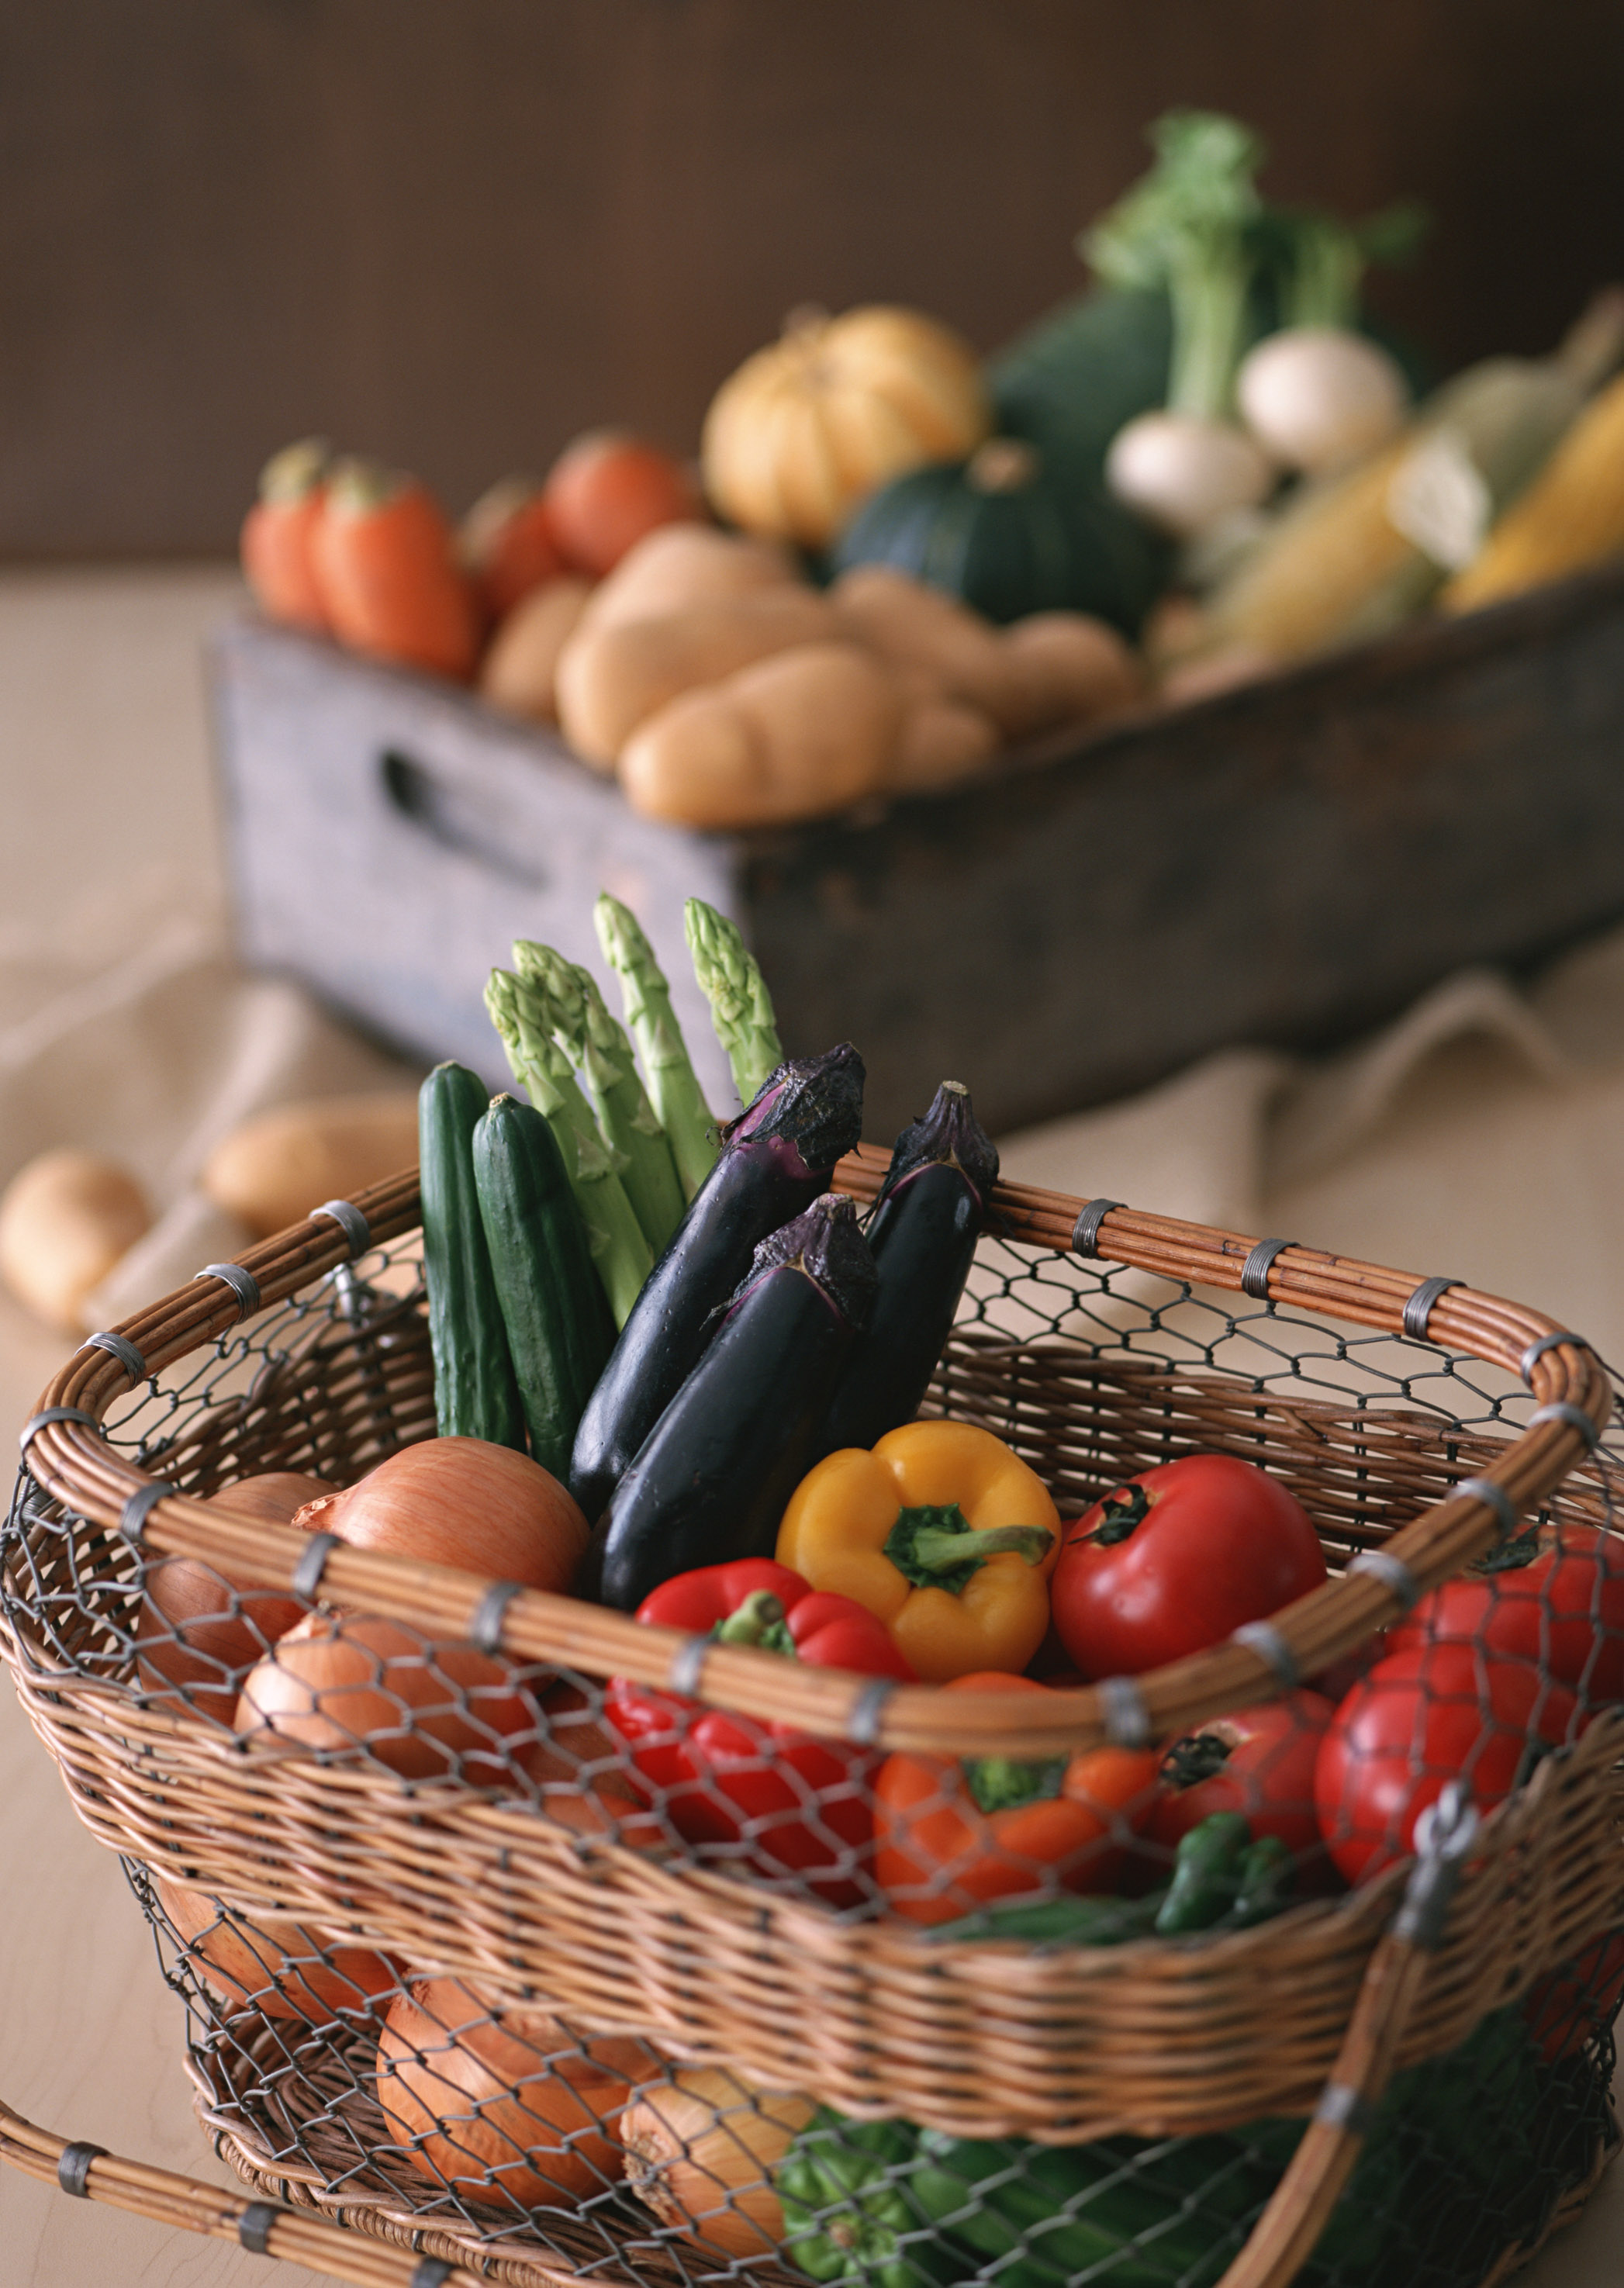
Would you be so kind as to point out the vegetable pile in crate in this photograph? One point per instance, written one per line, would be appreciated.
(1001, 1767)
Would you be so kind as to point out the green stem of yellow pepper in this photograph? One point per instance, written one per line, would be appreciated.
(933, 1547)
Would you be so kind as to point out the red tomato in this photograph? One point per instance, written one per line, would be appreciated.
(1578, 1999)
(606, 490)
(1175, 1560)
(1564, 1611)
(1421, 1719)
(1259, 1761)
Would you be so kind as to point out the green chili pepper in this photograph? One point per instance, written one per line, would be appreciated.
(1063, 1920)
(1263, 1883)
(1206, 1874)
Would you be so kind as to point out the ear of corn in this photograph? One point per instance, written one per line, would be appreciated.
(1570, 517)
(1338, 567)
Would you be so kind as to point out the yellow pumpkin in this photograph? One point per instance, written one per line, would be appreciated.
(808, 427)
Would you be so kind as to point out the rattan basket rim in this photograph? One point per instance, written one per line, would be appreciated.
(75, 1464)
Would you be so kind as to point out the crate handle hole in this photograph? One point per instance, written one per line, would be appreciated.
(452, 818)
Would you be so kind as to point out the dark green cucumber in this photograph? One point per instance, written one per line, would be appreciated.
(558, 1329)
(475, 1394)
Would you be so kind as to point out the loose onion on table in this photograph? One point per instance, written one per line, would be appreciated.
(278, 1965)
(507, 2107)
(199, 1630)
(466, 1502)
(701, 2150)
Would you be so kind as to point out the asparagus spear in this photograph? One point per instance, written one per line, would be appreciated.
(741, 1006)
(602, 1055)
(621, 1252)
(673, 1091)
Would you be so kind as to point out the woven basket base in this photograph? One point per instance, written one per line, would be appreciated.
(246, 2133)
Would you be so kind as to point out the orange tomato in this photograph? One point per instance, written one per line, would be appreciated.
(607, 490)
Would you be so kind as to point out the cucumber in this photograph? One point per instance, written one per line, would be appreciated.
(559, 1332)
(475, 1393)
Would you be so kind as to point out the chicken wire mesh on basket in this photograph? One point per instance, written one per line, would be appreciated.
(389, 2046)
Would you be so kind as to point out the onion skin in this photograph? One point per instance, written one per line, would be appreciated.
(200, 1633)
(337, 1682)
(464, 1502)
(248, 1963)
(510, 2108)
(701, 2150)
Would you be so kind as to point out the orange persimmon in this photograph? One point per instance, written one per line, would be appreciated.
(607, 490)
(385, 563)
(277, 532)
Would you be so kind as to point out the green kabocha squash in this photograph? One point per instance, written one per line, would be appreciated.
(1072, 381)
(1008, 538)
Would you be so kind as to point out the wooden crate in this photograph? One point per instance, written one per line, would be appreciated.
(1284, 864)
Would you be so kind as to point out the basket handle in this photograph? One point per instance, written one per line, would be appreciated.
(187, 2204)
(1299, 2207)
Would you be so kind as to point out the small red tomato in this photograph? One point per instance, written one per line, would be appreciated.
(1421, 1719)
(1577, 2000)
(1177, 1558)
(607, 490)
(1561, 1608)
(1259, 1761)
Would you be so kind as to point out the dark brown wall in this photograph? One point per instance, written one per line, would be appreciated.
(452, 232)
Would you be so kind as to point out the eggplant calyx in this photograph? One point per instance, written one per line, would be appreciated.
(828, 1245)
(934, 1547)
(814, 1104)
(948, 1136)
(999, 1784)
(1197, 1756)
(1122, 1510)
(759, 1621)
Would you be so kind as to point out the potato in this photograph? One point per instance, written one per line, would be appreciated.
(684, 564)
(274, 1169)
(795, 736)
(611, 680)
(1069, 668)
(517, 670)
(941, 742)
(65, 1220)
(911, 625)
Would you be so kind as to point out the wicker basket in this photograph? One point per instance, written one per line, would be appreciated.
(1412, 1417)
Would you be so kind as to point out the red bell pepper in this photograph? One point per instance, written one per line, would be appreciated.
(783, 1800)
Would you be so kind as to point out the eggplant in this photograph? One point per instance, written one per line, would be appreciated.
(932, 1209)
(713, 1479)
(775, 1159)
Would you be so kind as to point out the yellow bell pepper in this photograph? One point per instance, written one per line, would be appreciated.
(944, 1533)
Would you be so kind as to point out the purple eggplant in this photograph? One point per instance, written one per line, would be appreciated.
(776, 1158)
(931, 1210)
(731, 1448)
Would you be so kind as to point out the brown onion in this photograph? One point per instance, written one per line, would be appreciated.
(461, 1501)
(277, 1965)
(701, 2150)
(200, 1630)
(353, 1682)
(510, 2108)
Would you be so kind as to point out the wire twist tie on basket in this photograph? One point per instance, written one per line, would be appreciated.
(1255, 1270)
(490, 1614)
(1492, 1497)
(254, 2226)
(687, 1665)
(1342, 2106)
(242, 1284)
(350, 1222)
(1418, 1305)
(1263, 1638)
(312, 1564)
(868, 1709)
(123, 1350)
(74, 2168)
(1563, 1409)
(1127, 1720)
(1444, 1833)
(1085, 1231)
(431, 2272)
(1536, 1350)
(133, 1518)
(36, 1422)
(1394, 1575)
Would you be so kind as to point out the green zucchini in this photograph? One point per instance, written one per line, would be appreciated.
(475, 1393)
(559, 1332)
